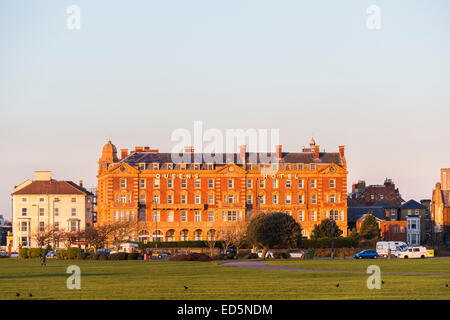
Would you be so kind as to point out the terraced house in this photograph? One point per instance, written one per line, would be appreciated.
(196, 198)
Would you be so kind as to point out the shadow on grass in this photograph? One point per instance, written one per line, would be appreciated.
(56, 275)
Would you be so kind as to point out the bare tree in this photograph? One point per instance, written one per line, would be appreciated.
(121, 231)
(69, 237)
(44, 237)
(226, 235)
(238, 235)
(211, 242)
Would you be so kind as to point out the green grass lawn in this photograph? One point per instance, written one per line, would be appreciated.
(210, 280)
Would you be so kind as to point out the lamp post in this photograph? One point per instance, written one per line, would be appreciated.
(156, 221)
(53, 225)
(332, 238)
(38, 226)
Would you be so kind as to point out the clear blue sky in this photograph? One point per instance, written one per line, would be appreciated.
(137, 70)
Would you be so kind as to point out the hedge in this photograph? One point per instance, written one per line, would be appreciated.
(178, 244)
(118, 256)
(23, 253)
(326, 243)
(61, 254)
(72, 253)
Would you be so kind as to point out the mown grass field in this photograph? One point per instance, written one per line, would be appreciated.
(210, 280)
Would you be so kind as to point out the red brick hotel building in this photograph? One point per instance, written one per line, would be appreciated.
(194, 200)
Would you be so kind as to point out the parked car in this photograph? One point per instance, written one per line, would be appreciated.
(160, 254)
(395, 246)
(14, 255)
(269, 254)
(299, 254)
(51, 254)
(229, 250)
(366, 254)
(3, 253)
(107, 251)
(413, 252)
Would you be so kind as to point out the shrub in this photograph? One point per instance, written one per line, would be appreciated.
(281, 255)
(242, 255)
(133, 256)
(219, 256)
(230, 255)
(61, 254)
(72, 253)
(82, 256)
(252, 256)
(191, 257)
(103, 256)
(94, 256)
(35, 252)
(118, 256)
(23, 253)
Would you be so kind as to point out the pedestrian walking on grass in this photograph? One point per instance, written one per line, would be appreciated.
(43, 259)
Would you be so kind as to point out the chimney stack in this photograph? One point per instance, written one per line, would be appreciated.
(42, 175)
(189, 149)
(341, 151)
(124, 153)
(316, 152)
(242, 153)
(81, 183)
(279, 149)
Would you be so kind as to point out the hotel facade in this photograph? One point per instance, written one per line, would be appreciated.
(196, 198)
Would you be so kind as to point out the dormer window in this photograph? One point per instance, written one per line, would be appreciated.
(313, 166)
(156, 166)
(210, 166)
(141, 166)
(183, 166)
(196, 166)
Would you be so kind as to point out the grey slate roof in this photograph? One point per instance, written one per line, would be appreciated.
(384, 204)
(222, 158)
(354, 213)
(412, 204)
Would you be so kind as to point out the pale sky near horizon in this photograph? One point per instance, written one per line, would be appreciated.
(138, 70)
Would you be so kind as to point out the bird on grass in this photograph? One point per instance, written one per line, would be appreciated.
(446, 285)
(185, 288)
(17, 294)
(337, 286)
(30, 295)
(382, 282)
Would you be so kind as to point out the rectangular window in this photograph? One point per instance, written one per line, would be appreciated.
(249, 199)
(123, 183)
(332, 198)
(301, 217)
(313, 199)
(230, 198)
(24, 226)
(142, 199)
(211, 199)
(288, 199)
(183, 199)
(332, 183)
(73, 200)
(56, 212)
(197, 184)
(275, 183)
(24, 199)
(156, 217)
(300, 198)
(313, 183)
(156, 198)
(123, 198)
(262, 184)
(183, 216)
(184, 183)
(122, 215)
(73, 226)
(156, 183)
(197, 199)
(230, 183)
(24, 241)
(41, 199)
(313, 166)
(300, 183)
(341, 216)
(170, 216)
(170, 198)
(288, 183)
(141, 166)
(116, 216)
(210, 216)
(143, 183)
(24, 212)
(262, 199)
(275, 199)
(210, 183)
(156, 166)
(170, 183)
(249, 183)
(197, 216)
(313, 216)
(41, 212)
(74, 212)
(56, 226)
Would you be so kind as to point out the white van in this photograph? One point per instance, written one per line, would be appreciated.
(413, 252)
(396, 247)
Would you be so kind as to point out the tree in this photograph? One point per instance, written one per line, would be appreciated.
(69, 237)
(211, 242)
(226, 235)
(44, 238)
(120, 232)
(369, 228)
(238, 235)
(323, 230)
(273, 230)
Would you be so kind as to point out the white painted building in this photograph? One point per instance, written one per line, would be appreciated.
(44, 204)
